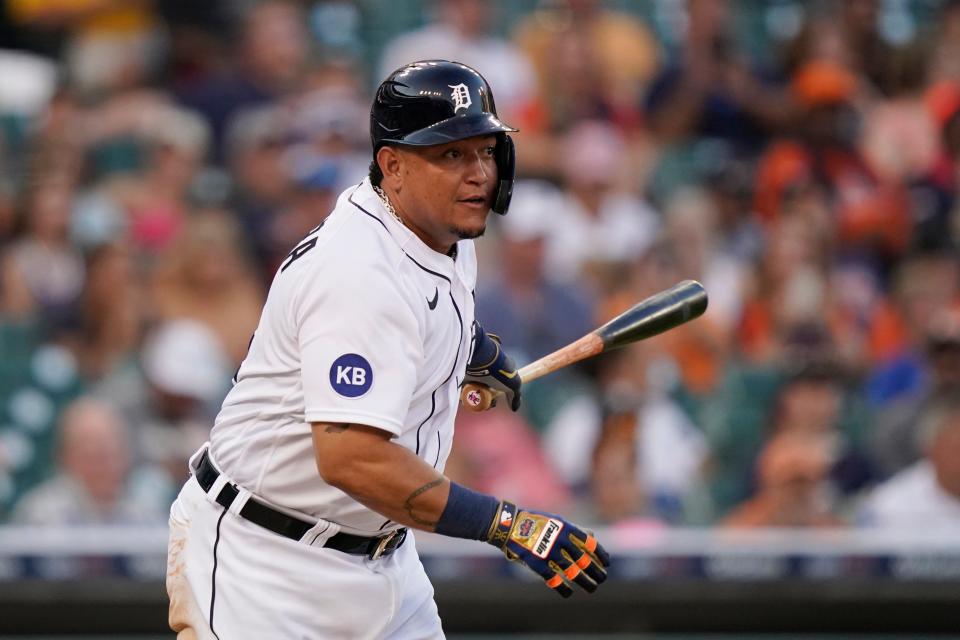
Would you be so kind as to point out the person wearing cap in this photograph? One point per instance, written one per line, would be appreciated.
(170, 398)
(823, 161)
(331, 445)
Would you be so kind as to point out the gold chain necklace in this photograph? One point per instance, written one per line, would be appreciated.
(387, 205)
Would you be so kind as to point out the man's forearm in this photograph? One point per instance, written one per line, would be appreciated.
(383, 476)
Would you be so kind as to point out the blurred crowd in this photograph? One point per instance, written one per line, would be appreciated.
(159, 159)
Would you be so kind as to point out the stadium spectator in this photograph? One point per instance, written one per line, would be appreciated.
(857, 35)
(869, 215)
(329, 125)
(37, 380)
(599, 226)
(617, 499)
(269, 64)
(460, 30)
(591, 63)
(792, 477)
(315, 180)
(925, 495)
(43, 271)
(538, 312)
(94, 483)
(894, 442)
(107, 325)
(157, 200)
(708, 89)
(789, 286)
(261, 182)
(924, 285)
(205, 276)
(170, 400)
(669, 449)
(804, 393)
(688, 248)
(705, 251)
(109, 45)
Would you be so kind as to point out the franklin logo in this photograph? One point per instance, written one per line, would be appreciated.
(460, 96)
(351, 375)
(547, 539)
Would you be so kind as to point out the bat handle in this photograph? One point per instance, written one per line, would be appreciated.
(478, 397)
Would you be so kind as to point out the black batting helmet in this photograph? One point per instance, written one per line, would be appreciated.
(435, 102)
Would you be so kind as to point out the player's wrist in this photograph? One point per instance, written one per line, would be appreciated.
(486, 351)
(468, 514)
(491, 366)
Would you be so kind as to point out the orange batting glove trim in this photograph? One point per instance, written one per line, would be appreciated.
(572, 572)
(590, 544)
(554, 582)
(584, 561)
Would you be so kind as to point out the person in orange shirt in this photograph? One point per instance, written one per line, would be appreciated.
(868, 214)
(590, 62)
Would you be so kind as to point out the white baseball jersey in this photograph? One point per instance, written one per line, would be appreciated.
(363, 324)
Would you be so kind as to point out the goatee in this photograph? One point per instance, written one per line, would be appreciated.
(468, 234)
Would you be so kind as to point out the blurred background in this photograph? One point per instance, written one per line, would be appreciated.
(788, 463)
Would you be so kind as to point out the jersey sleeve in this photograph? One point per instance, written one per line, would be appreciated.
(360, 347)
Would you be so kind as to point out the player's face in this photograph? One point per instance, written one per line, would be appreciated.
(445, 191)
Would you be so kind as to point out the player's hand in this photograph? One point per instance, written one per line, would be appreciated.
(559, 551)
(489, 365)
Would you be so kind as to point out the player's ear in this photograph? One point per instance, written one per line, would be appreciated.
(391, 165)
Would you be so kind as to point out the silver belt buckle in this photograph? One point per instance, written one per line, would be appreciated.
(382, 545)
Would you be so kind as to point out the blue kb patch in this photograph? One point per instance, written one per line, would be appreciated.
(351, 375)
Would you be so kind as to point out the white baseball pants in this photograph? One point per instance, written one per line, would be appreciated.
(230, 579)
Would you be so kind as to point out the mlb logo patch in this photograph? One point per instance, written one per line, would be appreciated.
(351, 375)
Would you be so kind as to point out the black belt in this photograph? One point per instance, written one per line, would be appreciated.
(294, 528)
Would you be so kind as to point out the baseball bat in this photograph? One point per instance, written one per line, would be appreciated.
(658, 313)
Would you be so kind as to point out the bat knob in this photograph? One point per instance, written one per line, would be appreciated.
(474, 398)
(477, 397)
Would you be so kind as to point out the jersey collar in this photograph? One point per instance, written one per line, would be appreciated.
(367, 199)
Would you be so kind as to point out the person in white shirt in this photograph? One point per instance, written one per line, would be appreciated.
(599, 227)
(96, 482)
(333, 440)
(925, 495)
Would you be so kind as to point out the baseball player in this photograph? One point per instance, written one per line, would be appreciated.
(331, 445)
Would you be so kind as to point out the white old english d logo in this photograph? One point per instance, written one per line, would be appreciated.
(460, 96)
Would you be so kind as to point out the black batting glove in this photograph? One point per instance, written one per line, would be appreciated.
(490, 366)
(557, 550)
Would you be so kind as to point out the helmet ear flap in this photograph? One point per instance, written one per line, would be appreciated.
(506, 158)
